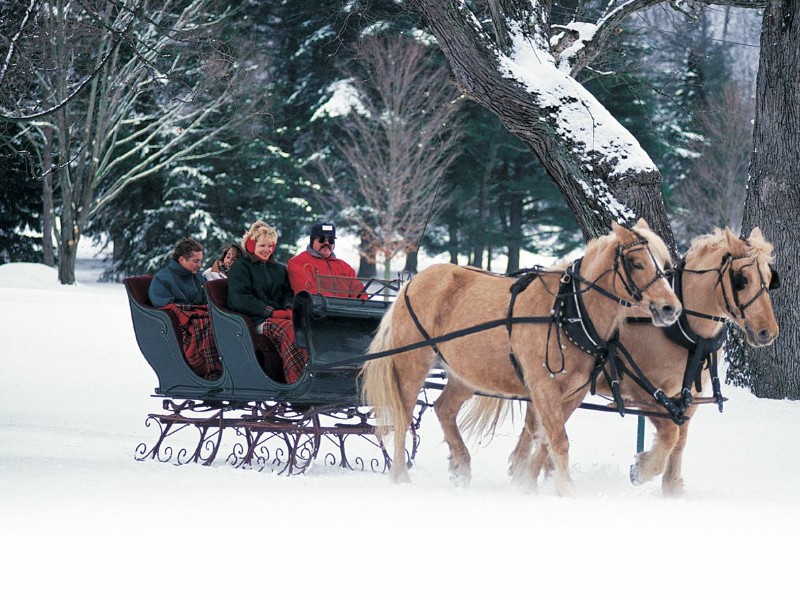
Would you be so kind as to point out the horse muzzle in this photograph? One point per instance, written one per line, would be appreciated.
(664, 314)
(759, 337)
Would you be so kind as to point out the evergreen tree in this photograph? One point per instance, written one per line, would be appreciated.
(505, 202)
(20, 204)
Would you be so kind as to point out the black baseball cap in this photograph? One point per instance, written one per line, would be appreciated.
(326, 229)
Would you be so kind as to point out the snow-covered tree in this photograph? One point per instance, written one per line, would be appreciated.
(520, 59)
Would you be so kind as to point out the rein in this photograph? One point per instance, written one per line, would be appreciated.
(526, 278)
(568, 313)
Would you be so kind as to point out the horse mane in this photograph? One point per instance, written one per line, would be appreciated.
(656, 244)
(711, 246)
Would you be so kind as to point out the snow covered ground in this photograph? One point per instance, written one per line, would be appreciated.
(79, 516)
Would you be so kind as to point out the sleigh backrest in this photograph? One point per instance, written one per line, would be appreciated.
(250, 358)
(158, 337)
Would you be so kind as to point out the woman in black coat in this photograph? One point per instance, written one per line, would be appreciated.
(258, 286)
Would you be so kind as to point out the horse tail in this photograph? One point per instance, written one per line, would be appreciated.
(483, 414)
(379, 385)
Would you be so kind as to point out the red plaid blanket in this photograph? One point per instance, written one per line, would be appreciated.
(281, 332)
(198, 339)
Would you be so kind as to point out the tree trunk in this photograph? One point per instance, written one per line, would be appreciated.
(367, 266)
(411, 261)
(453, 243)
(773, 195)
(48, 214)
(514, 232)
(67, 253)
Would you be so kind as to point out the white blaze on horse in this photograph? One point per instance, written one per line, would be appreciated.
(529, 354)
(722, 279)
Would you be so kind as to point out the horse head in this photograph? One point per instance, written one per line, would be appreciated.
(641, 264)
(744, 278)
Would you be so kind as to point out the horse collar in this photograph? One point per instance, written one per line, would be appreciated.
(572, 317)
(681, 332)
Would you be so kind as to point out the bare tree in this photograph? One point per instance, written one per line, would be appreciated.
(398, 146)
(111, 92)
(711, 195)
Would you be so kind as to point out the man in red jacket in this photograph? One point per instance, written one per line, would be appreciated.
(318, 271)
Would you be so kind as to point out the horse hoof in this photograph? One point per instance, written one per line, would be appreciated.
(672, 489)
(635, 475)
(399, 477)
(565, 488)
(460, 480)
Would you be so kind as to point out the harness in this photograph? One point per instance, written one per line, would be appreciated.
(569, 315)
(702, 352)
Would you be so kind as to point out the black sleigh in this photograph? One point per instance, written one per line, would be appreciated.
(249, 415)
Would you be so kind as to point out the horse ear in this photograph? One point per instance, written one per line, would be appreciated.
(641, 223)
(730, 237)
(616, 227)
(756, 234)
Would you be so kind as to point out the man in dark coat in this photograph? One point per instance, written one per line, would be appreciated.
(178, 288)
(180, 282)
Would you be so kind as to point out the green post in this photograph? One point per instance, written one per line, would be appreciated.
(639, 434)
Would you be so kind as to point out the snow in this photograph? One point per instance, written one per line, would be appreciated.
(344, 98)
(80, 516)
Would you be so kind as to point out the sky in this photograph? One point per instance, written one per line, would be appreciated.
(80, 516)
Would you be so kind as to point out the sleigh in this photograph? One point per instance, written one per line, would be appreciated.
(249, 416)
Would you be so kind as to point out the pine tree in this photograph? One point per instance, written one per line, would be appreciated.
(20, 204)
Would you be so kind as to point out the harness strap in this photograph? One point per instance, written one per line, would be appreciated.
(715, 384)
(355, 360)
(517, 287)
(420, 327)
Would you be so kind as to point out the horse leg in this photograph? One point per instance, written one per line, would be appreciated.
(652, 462)
(410, 377)
(672, 482)
(541, 457)
(552, 418)
(520, 458)
(447, 407)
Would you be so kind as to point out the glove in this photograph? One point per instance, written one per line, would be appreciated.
(281, 314)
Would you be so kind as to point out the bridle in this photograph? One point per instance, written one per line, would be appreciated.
(626, 276)
(738, 281)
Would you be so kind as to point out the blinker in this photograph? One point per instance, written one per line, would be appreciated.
(775, 279)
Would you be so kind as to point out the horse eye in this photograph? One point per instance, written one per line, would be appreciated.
(638, 266)
(739, 281)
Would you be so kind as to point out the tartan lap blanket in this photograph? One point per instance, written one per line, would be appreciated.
(199, 347)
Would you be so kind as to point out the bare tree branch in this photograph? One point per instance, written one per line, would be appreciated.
(398, 152)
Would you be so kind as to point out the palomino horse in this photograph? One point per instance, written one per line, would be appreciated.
(623, 268)
(723, 278)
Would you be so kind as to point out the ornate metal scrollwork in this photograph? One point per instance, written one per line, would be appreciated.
(281, 437)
